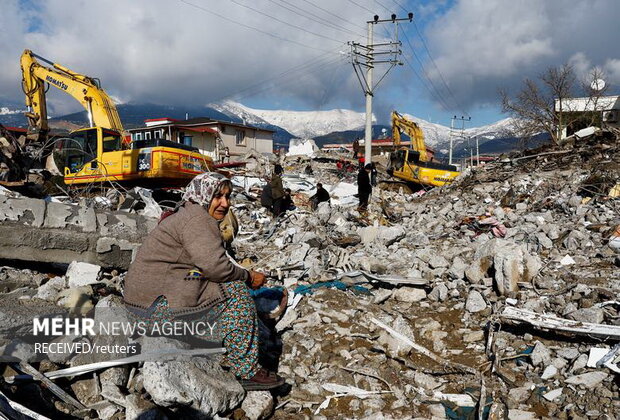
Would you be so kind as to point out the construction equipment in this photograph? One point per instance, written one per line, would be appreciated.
(414, 164)
(96, 154)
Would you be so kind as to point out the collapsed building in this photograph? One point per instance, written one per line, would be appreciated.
(494, 297)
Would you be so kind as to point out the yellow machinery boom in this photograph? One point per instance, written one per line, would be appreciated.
(414, 165)
(96, 154)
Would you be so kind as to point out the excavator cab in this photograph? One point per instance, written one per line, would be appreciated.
(83, 148)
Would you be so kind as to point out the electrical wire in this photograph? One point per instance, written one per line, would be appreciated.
(401, 6)
(313, 17)
(361, 6)
(437, 98)
(285, 22)
(296, 68)
(251, 27)
(439, 71)
(292, 79)
(437, 91)
(331, 13)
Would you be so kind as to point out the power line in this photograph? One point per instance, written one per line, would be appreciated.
(295, 80)
(422, 66)
(285, 22)
(362, 7)
(318, 62)
(437, 98)
(380, 4)
(251, 27)
(401, 6)
(438, 71)
(331, 13)
(318, 19)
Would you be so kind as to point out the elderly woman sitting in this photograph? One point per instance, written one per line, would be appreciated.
(182, 269)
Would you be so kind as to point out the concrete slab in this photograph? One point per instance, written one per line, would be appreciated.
(57, 215)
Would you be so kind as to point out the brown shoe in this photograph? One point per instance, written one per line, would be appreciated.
(262, 380)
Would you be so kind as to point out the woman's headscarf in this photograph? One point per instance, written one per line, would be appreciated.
(203, 187)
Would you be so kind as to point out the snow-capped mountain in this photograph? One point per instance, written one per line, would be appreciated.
(303, 124)
(437, 135)
(7, 111)
(312, 124)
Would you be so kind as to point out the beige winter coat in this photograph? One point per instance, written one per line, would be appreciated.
(189, 239)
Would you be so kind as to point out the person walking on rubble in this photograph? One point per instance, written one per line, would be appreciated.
(364, 187)
(183, 270)
(277, 190)
(356, 148)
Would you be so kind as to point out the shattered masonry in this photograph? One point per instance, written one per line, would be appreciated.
(494, 296)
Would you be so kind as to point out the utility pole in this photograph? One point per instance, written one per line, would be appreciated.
(367, 54)
(477, 152)
(462, 129)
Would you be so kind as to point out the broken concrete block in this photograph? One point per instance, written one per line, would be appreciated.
(508, 262)
(82, 274)
(520, 394)
(437, 261)
(514, 414)
(549, 372)
(137, 408)
(19, 349)
(477, 271)
(439, 293)
(57, 214)
(86, 391)
(475, 302)
(473, 336)
(258, 405)
(199, 382)
(588, 380)
(593, 315)
(408, 294)
(49, 291)
(457, 269)
(541, 355)
(553, 394)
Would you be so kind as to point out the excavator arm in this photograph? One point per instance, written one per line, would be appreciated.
(400, 124)
(86, 90)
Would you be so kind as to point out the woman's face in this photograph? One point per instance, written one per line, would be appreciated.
(220, 204)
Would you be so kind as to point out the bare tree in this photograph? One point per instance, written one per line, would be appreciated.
(534, 105)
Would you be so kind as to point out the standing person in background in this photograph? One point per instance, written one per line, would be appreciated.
(356, 148)
(226, 154)
(364, 187)
(277, 190)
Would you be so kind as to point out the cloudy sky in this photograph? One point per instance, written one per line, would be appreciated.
(293, 54)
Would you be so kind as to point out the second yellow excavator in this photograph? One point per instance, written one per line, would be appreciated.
(96, 154)
(414, 164)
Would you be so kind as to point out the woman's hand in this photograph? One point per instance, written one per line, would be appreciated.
(256, 279)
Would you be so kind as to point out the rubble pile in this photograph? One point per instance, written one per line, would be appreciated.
(495, 297)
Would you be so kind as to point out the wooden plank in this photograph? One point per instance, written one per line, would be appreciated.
(553, 323)
(55, 389)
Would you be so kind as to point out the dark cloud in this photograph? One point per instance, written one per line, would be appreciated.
(481, 46)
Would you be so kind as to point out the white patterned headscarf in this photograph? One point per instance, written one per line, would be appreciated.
(203, 187)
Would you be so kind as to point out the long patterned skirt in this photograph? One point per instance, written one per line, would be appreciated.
(235, 324)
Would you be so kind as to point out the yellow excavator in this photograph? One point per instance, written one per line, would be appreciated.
(97, 153)
(414, 164)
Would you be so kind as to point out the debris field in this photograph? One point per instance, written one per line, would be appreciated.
(495, 297)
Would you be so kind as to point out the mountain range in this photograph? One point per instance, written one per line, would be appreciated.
(331, 126)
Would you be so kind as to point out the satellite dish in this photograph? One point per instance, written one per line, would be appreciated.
(597, 84)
